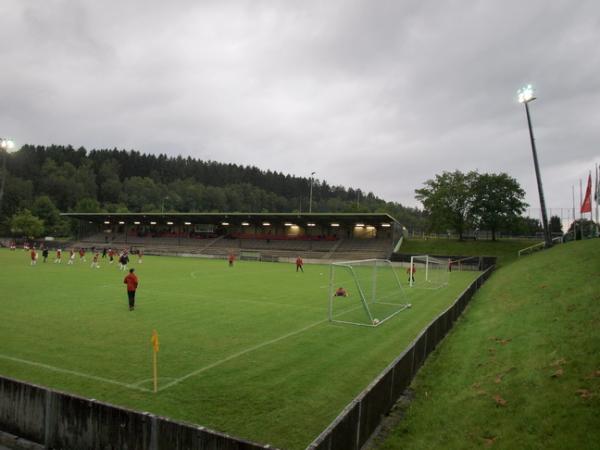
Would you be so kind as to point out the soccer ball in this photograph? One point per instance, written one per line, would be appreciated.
(375, 321)
(409, 305)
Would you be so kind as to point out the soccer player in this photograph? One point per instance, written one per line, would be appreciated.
(104, 253)
(132, 283)
(33, 256)
(231, 259)
(124, 260)
(95, 261)
(111, 255)
(58, 258)
(411, 273)
(81, 254)
(71, 257)
(299, 264)
(140, 256)
(449, 265)
(341, 292)
(13, 246)
(45, 253)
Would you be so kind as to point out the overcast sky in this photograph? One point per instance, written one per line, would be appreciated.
(379, 95)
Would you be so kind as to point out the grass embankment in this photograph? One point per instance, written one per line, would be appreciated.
(504, 249)
(522, 367)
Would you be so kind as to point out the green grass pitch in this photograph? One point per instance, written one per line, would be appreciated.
(246, 350)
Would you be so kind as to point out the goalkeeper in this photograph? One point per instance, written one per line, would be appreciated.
(341, 292)
(411, 273)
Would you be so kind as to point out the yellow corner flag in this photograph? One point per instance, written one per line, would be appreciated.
(154, 340)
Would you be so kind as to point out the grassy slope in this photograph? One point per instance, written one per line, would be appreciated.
(506, 249)
(285, 393)
(522, 368)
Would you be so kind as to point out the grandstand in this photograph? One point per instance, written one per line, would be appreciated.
(274, 236)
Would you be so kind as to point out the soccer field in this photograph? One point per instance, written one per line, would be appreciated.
(246, 350)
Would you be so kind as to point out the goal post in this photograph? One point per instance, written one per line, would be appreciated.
(249, 256)
(428, 272)
(371, 292)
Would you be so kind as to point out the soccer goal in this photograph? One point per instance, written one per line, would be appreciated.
(428, 272)
(471, 263)
(373, 293)
(249, 256)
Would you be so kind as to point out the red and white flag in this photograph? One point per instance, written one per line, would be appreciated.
(586, 206)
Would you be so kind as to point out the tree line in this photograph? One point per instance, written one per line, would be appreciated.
(45, 180)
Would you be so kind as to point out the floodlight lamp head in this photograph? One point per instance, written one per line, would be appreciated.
(7, 144)
(525, 94)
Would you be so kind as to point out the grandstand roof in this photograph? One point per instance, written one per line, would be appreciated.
(344, 219)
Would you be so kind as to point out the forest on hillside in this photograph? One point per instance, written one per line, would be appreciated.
(47, 180)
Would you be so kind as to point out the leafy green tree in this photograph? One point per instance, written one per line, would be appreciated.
(88, 205)
(26, 224)
(497, 201)
(448, 200)
(555, 224)
(44, 208)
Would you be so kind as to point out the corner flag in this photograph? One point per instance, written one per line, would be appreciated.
(154, 340)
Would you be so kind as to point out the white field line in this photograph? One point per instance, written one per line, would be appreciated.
(248, 350)
(238, 354)
(241, 300)
(73, 372)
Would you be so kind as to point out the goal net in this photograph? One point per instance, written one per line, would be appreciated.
(428, 272)
(249, 256)
(471, 263)
(365, 292)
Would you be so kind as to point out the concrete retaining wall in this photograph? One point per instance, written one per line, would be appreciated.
(360, 419)
(62, 421)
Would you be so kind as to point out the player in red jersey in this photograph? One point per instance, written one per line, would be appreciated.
(299, 264)
(231, 259)
(58, 258)
(111, 255)
(411, 273)
(132, 283)
(82, 254)
(34, 256)
(341, 292)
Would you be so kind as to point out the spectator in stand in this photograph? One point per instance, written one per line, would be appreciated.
(299, 264)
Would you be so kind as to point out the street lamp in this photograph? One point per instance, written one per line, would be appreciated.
(311, 184)
(7, 145)
(525, 95)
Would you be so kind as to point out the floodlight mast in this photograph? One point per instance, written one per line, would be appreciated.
(7, 145)
(525, 95)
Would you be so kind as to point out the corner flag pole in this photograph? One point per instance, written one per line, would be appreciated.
(155, 348)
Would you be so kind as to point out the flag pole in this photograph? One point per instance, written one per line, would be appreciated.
(155, 371)
(574, 218)
(155, 348)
